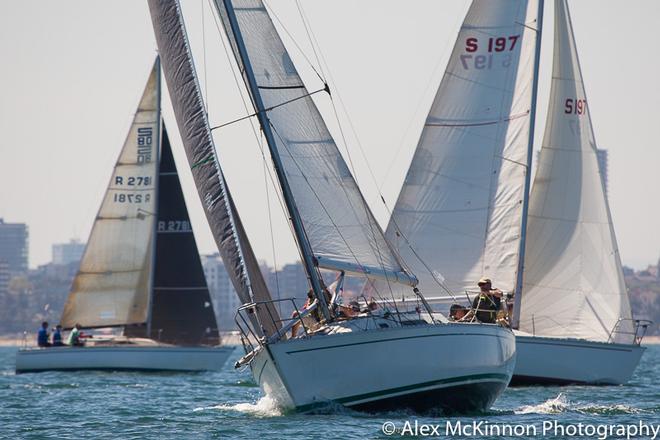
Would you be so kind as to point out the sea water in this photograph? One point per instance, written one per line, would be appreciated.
(229, 405)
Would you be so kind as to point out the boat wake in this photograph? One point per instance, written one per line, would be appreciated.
(557, 405)
(561, 404)
(264, 407)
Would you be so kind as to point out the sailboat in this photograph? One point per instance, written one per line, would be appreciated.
(397, 356)
(465, 203)
(141, 270)
(574, 317)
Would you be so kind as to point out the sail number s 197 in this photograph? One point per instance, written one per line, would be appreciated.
(493, 47)
(493, 44)
(575, 106)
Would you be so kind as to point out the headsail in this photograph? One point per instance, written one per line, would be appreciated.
(338, 225)
(461, 202)
(181, 309)
(573, 285)
(195, 132)
(112, 285)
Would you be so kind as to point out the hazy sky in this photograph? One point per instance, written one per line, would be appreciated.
(72, 73)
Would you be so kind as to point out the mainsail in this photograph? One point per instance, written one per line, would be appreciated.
(573, 284)
(181, 308)
(112, 286)
(237, 255)
(462, 200)
(338, 225)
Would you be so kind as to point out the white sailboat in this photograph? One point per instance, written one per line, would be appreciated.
(396, 358)
(464, 203)
(575, 321)
(141, 269)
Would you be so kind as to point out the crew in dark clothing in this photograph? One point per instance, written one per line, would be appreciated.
(487, 302)
(42, 335)
(57, 336)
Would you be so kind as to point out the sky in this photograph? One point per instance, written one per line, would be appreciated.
(73, 71)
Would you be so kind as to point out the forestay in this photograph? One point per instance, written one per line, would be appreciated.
(340, 228)
(461, 202)
(237, 255)
(112, 285)
(573, 284)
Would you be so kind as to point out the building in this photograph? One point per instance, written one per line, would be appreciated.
(65, 253)
(224, 298)
(14, 246)
(5, 277)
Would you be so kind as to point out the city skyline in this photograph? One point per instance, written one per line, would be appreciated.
(79, 94)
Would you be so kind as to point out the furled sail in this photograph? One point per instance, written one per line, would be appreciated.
(234, 247)
(461, 202)
(181, 308)
(340, 228)
(573, 284)
(112, 285)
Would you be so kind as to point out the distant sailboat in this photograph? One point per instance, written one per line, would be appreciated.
(464, 202)
(393, 359)
(575, 318)
(141, 269)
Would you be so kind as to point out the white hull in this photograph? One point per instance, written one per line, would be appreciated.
(138, 358)
(453, 367)
(557, 361)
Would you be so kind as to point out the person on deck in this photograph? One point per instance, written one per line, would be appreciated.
(57, 336)
(43, 335)
(75, 337)
(486, 304)
(308, 303)
(457, 312)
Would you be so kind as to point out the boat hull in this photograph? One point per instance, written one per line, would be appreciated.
(157, 358)
(449, 367)
(557, 361)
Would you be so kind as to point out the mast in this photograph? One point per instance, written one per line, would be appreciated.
(301, 238)
(528, 175)
(154, 229)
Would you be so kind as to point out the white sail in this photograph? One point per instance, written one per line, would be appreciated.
(112, 286)
(341, 229)
(573, 284)
(461, 203)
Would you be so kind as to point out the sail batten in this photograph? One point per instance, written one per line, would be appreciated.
(460, 206)
(573, 284)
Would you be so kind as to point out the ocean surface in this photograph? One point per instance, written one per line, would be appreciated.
(229, 405)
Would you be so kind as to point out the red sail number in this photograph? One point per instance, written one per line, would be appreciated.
(575, 106)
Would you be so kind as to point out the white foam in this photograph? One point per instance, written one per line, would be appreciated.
(265, 407)
(557, 405)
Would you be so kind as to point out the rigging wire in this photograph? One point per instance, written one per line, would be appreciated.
(314, 42)
(234, 66)
(250, 109)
